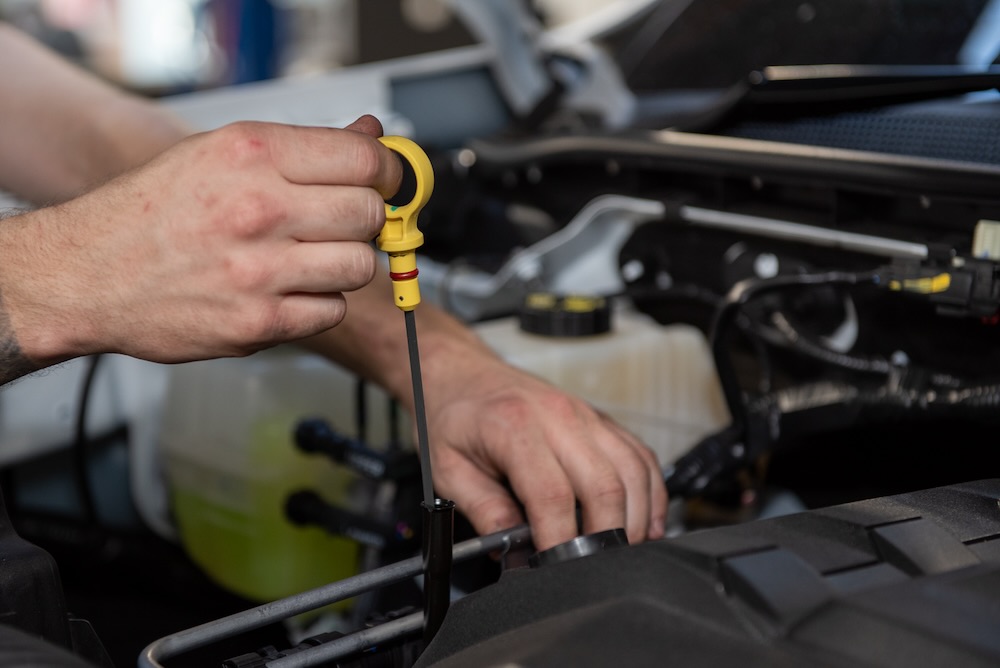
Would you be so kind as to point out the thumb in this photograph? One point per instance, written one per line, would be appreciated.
(368, 125)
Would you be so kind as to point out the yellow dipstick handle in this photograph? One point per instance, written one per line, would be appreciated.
(400, 237)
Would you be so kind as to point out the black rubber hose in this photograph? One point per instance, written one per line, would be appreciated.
(744, 292)
(81, 454)
(815, 406)
(729, 450)
(799, 343)
(306, 508)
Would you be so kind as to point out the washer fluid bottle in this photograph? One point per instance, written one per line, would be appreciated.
(659, 382)
(231, 462)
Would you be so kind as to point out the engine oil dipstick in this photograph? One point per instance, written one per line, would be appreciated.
(400, 239)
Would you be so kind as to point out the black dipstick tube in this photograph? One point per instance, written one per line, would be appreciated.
(439, 536)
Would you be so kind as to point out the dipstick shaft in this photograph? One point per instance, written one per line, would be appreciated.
(419, 411)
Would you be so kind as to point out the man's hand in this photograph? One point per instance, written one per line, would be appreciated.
(492, 425)
(229, 242)
(495, 429)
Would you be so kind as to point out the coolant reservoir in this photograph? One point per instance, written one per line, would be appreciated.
(231, 463)
(657, 381)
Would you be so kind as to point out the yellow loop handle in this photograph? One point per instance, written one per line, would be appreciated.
(400, 233)
(400, 237)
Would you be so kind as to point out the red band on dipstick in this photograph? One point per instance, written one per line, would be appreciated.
(403, 275)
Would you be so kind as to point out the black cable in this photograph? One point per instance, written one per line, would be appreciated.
(785, 332)
(799, 411)
(753, 337)
(801, 344)
(392, 407)
(81, 444)
(741, 294)
(361, 409)
(730, 449)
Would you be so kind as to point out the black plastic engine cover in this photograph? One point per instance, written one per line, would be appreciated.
(910, 580)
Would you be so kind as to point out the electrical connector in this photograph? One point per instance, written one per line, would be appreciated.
(967, 287)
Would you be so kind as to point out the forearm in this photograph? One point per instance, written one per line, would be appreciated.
(64, 130)
(371, 341)
(14, 361)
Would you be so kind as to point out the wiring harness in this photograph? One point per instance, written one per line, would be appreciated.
(870, 389)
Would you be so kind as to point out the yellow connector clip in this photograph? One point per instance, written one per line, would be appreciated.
(928, 285)
(400, 237)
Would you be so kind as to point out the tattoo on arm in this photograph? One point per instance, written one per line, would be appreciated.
(13, 364)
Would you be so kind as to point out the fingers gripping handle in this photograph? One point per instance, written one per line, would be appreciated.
(400, 237)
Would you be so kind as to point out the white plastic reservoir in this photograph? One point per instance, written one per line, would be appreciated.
(657, 381)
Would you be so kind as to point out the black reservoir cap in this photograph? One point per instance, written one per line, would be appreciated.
(548, 314)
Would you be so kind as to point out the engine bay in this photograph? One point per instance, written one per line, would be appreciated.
(799, 265)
